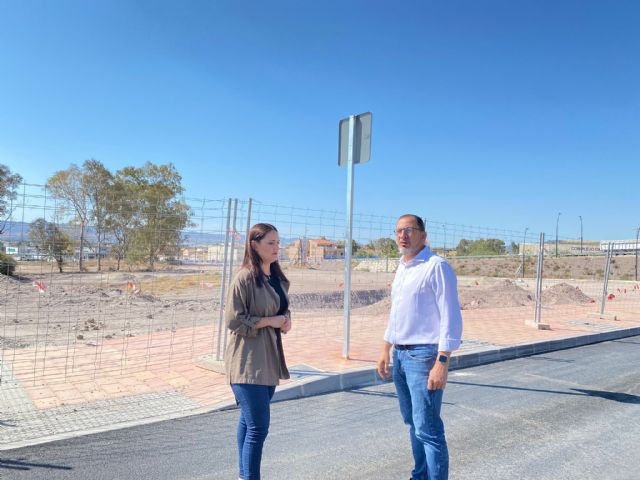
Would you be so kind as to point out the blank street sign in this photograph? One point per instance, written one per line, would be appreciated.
(361, 140)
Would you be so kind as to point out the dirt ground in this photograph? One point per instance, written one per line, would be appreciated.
(576, 267)
(41, 306)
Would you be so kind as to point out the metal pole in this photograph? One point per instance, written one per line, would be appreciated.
(524, 240)
(444, 246)
(538, 307)
(223, 284)
(557, 221)
(246, 239)
(580, 234)
(348, 240)
(605, 284)
(637, 235)
(234, 232)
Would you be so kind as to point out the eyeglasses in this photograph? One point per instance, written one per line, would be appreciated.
(407, 231)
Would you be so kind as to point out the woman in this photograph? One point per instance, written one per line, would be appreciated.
(257, 313)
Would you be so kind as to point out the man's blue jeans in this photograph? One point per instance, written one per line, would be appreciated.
(420, 409)
(253, 427)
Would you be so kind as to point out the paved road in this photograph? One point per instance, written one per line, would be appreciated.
(572, 414)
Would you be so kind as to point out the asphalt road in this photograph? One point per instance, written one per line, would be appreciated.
(572, 414)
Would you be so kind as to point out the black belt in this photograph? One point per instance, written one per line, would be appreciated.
(406, 347)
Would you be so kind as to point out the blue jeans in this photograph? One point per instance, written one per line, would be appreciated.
(420, 409)
(253, 427)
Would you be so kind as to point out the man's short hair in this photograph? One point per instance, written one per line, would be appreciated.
(418, 220)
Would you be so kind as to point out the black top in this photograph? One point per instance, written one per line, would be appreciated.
(274, 281)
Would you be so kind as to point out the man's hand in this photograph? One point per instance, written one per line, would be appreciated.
(438, 376)
(383, 364)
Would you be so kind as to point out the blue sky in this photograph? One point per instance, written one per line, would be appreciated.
(485, 112)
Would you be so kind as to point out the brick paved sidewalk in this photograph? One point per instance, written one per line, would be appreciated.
(92, 399)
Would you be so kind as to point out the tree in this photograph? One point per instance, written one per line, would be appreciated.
(8, 184)
(71, 186)
(515, 248)
(99, 185)
(156, 218)
(50, 240)
(355, 246)
(463, 247)
(482, 246)
(121, 219)
(383, 247)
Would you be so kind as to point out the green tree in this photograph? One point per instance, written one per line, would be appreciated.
(7, 264)
(463, 247)
(99, 183)
(383, 247)
(480, 247)
(71, 187)
(121, 218)
(515, 248)
(8, 184)
(158, 215)
(50, 240)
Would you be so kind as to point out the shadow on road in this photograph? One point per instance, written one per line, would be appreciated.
(22, 465)
(616, 396)
(549, 359)
(373, 393)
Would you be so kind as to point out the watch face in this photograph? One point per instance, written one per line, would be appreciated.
(442, 358)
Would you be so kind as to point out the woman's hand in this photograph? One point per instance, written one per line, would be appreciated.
(286, 326)
(276, 322)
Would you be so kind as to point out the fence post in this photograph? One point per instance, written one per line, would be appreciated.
(605, 283)
(223, 283)
(246, 238)
(537, 320)
(233, 242)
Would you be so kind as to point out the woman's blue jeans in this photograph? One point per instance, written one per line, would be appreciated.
(253, 427)
(420, 409)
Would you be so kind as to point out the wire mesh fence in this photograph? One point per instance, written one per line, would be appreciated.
(154, 304)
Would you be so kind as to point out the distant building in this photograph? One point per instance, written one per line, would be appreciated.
(619, 246)
(215, 253)
(211, 253)
(306, 250)
(565, 248)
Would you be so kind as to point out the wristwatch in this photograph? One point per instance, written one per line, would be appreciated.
(443, 358)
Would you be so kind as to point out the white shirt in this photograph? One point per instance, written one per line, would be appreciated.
(424, 304)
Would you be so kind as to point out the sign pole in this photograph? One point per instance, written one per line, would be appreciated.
(348, 242)
(354, 146)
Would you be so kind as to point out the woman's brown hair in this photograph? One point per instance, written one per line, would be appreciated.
(252, 260)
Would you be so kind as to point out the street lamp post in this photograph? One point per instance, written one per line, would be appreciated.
(580, 234)
(557, 221)
(524, 240)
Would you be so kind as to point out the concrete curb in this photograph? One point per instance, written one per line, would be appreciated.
(323, 382)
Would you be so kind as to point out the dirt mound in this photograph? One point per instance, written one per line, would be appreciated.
(335, 300)
(564, 294)
(383, 307)
(504, 293)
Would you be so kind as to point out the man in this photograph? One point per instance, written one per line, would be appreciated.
(425, 326)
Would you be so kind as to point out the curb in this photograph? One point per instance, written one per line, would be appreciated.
(367, 376)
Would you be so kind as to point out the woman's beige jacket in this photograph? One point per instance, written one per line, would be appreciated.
(252, 354)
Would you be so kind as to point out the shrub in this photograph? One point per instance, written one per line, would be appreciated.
(7, 264)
